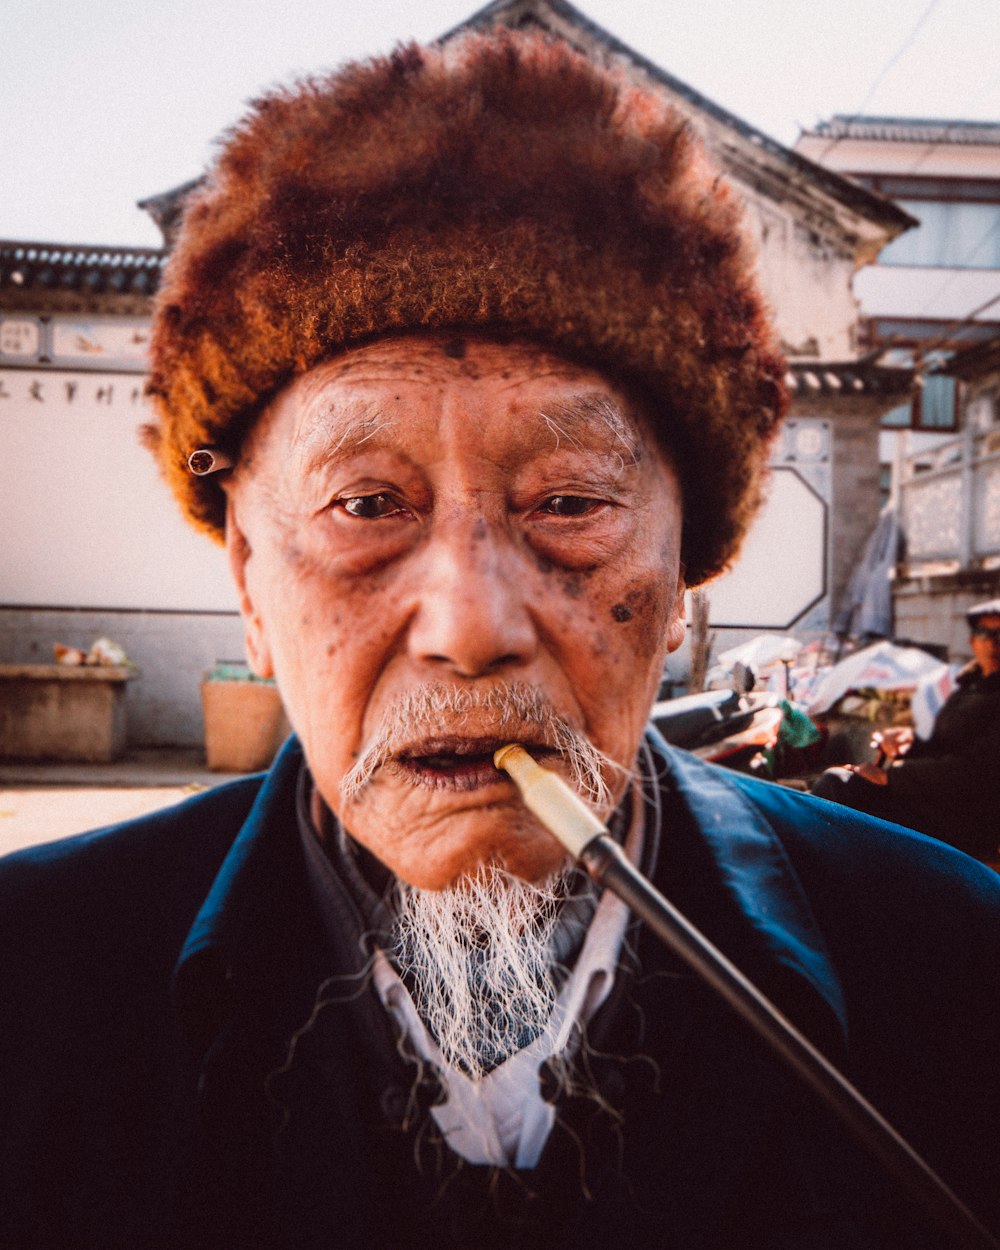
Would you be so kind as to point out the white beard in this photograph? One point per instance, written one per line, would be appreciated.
(477, 958)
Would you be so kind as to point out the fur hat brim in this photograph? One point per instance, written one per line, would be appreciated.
(502, 184)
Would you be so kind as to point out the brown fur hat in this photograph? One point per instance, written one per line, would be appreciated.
(501, 184)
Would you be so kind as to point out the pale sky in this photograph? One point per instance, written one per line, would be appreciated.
(106, 103)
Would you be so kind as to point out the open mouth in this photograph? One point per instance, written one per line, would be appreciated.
(456, 763)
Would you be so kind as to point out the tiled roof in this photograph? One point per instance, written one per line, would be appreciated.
(77, 276)
(851, 377)
(909, 130)
(167, 208)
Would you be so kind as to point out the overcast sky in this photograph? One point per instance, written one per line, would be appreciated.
(105, 103)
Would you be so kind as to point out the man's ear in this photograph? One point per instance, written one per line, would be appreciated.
(238, 550)
(678, 618)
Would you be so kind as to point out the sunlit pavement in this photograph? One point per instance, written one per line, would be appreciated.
(31, 816)
(40, 802)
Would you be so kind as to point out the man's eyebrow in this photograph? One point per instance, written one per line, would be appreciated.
(578, 418)
(336, 429)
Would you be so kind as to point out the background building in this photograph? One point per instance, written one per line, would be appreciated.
(932, 301)
(95, 545)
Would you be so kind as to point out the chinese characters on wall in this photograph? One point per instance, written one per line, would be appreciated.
(24, 390)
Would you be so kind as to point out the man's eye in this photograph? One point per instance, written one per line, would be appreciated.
(569, 505)
(370, 507)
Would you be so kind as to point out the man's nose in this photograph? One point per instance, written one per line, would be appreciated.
(472, 615)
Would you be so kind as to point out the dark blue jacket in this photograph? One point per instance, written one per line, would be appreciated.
(154, 973)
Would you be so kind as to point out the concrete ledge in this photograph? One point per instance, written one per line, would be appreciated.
(62, 712)
(138, 768)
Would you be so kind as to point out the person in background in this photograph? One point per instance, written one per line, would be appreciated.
(947, 785)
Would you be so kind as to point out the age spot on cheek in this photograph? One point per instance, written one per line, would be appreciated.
(642, 601)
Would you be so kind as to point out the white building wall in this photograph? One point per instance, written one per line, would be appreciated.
(807, 283)
(96, 528)
(93, 544)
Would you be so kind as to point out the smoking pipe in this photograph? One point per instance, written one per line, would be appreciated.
(561, 810)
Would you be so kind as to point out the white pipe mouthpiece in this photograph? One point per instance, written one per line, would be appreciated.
(547, 796)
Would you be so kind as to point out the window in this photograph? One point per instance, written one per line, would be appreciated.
(934, 404)
(958, 234)
(932, 407)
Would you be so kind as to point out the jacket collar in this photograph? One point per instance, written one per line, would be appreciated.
(255, 932)
(753, 869)
(269, 827)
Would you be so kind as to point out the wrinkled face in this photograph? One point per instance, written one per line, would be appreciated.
(986, 648)
(423, 518)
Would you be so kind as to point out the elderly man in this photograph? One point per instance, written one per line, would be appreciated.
(472, 341)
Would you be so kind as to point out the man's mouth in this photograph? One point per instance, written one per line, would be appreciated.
(455, 763)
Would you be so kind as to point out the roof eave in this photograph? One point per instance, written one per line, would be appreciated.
(565, 20)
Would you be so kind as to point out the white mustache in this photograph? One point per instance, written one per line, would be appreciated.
(506, 711)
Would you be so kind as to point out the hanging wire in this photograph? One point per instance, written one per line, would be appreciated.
(881, 76)
(968, 320)
(956, 125)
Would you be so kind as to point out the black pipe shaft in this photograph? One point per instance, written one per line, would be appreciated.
(608, 866)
